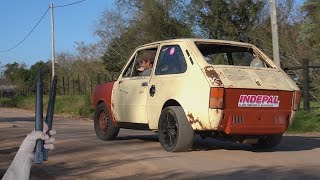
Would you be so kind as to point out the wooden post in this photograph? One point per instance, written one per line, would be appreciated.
(79, 84)
(58, 86)
(98, 78)
(85, 85)
(91, 85)
(306, 95)
(68, 85)
(52, 40)
(274, 28)
(73, 86)
(63, 86)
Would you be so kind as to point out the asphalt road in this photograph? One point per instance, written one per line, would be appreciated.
(79, 154)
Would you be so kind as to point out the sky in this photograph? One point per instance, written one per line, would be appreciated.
(72, 24)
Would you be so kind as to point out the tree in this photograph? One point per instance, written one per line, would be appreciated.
(311, 26)
(141, 22)
(229, 20)
(33, 75)
(310, 35)
(17, 75)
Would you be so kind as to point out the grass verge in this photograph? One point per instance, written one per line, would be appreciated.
(307, 121)
(73, 105)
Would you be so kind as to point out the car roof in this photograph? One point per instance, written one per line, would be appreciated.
(216, 41)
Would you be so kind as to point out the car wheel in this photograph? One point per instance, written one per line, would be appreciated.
(174, 131)
(268, 141)
(103, 126)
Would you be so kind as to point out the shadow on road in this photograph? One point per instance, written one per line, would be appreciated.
(84, 168)
(152, 137)
(8, 150)
(288, 143)
(247, 173)
(90, 168)
(17, 119)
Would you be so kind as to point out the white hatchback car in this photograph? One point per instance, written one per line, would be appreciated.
(215, 88)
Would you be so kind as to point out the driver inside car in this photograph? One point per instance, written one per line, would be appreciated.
(146, 63)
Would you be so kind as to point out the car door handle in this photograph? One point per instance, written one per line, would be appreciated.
(152, 90)
(144, 84)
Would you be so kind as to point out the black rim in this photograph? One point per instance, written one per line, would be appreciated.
(169, 130)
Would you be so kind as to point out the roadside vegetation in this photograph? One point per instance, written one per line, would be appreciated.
(70, 105)
(307, 121)
(81, 106)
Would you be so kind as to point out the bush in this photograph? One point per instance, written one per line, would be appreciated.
(307, 122)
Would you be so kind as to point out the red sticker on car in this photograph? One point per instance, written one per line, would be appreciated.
(258, 101)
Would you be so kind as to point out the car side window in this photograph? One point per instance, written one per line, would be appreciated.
(128, 71)
(171, 61)
(141, 64)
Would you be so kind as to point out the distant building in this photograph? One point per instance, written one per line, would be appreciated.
(7, 91)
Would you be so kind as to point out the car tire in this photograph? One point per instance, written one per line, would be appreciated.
(268, 141)
(174, 131)
(103, 126)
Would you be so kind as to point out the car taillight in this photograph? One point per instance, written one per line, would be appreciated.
(296, 100)
(216, 98)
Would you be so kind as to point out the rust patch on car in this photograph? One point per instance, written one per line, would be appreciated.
(126, 92)
(213, 75)
(258, 83)
(192, 120)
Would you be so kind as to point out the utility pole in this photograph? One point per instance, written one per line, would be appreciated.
(274, 27)
(52, 42)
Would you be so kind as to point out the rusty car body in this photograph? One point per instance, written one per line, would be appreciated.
(215, 88)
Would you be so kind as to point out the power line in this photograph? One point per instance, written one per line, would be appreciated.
(27, 34)
(13, 47)
(69, 4)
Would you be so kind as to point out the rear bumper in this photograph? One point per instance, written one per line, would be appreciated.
(254, 122)
(256, 112)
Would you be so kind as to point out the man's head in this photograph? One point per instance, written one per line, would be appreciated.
(146, 61)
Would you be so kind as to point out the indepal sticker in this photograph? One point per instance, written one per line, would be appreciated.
(258, 101)
(172, 51)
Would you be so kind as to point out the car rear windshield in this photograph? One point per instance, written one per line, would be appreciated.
(231, 55)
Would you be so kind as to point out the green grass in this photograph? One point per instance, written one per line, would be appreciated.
(307, 122)
(73, 105)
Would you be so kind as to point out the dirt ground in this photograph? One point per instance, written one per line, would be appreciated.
(79, 154)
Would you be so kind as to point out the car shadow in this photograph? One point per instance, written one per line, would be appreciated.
(288, 143)
(149, 137)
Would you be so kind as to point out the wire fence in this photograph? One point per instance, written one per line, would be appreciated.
(80, 84)
(77, 85)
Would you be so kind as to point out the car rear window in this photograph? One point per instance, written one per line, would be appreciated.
(231, 55)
